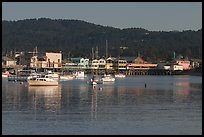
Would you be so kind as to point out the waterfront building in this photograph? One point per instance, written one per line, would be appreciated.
(38, 62)
(170, 66)
(8, 62)
(176, 67)
(46, 60)
(77, 63)
(24, 58)
(98, 64)
(140, 64)
(163, 66)
(120, 64)
(167, 67)
(54, 59)
(101, 64)
(95, 64)
(110, 63)
(84, 63)
(134, 66)
(196, 63)
(185, 63)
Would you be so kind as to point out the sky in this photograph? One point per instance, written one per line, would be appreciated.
(153, 16)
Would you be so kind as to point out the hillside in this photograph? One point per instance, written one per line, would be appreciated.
(77, 38)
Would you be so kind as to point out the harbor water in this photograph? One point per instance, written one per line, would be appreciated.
(134, 105)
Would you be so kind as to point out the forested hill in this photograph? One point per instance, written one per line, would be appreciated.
(77, 38)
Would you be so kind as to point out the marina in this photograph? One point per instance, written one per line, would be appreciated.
(71, 68)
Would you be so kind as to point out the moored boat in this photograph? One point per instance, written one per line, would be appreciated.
(120, 75)
(66, 77)
(5, 74)
(108, 78)
(79, 75)
(52, 75)
(95, 80)
(42, 81)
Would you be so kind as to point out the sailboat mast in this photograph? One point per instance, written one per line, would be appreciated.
(106, 49)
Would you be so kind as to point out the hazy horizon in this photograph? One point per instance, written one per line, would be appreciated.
(152, 16)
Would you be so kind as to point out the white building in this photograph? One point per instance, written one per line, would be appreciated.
(6, 61)
(98, 64)
(176, 67)
(102, 64)
(54, 59)
(49, 60)
(95, 64)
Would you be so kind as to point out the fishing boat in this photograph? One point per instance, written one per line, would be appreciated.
(42, 81)
(108, 78)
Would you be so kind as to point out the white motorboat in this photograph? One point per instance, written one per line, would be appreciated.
(66, 77)
(52, 75)
(120, 75)
(42, 81)
(108, 78)
(79, 75)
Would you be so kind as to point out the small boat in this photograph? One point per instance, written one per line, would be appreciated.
(36, 75)
(108, 78)
(95, 80)
(79, 75)
(120, 75)
(66, 77)
(5, 74)
(52, 75)
(42, 81)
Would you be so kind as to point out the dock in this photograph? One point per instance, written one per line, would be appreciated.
(17, 78)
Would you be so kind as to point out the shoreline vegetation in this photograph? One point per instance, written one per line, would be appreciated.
(77, 38)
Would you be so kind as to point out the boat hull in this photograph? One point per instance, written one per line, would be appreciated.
(42, 83)
(120, 75)
(108, 80)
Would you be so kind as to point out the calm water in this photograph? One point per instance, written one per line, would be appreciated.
(168, 105)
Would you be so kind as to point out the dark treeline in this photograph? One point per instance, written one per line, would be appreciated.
(76, 38)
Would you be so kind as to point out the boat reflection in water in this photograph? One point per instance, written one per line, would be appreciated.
(45, 99)
(45, 90)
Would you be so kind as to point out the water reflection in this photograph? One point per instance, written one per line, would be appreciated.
(45, 90)
(125, 105)
(94, 103)
(45, 100)
(182, 90)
